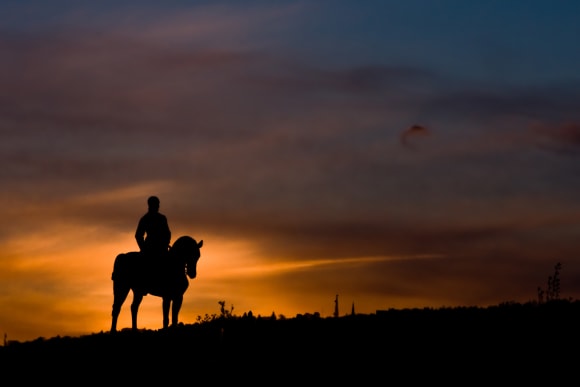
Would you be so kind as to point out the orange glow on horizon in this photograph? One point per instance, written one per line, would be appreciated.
(70, 290)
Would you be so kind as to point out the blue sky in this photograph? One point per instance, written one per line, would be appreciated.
(399, 154)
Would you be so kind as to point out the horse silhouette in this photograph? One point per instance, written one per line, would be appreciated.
(167, 279)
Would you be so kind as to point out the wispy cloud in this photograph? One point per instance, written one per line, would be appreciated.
(411, 132)
(558, 137)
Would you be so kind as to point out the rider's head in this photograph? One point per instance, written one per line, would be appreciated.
(153, 203)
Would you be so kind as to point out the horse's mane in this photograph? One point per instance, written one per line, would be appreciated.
(183, 245)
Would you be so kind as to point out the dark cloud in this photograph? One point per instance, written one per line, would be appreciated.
(497, 103)
(559, 137)
(413, 131)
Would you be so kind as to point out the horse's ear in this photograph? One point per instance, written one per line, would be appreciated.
(200, 243)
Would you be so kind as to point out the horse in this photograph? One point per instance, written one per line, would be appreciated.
(169, 282)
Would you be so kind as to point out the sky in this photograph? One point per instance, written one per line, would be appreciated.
(391, 154)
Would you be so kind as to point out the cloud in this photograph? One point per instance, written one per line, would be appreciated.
(557, 137)
(411, 132)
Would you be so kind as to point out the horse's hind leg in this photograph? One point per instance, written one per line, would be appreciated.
(120, 293)
(137, 298)
(166, 307)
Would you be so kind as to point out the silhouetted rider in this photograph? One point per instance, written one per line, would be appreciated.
(153, 235)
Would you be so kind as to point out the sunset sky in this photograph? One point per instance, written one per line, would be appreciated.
(398, 154)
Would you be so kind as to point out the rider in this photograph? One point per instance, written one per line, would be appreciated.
(153, 235)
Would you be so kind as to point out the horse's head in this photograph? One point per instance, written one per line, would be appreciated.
(188, 249)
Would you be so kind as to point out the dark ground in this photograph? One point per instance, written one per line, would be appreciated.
(506, 344)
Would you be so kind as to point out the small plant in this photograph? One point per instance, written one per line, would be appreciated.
(553, 291)
(224, 313)
(540, 295)
(207, 318)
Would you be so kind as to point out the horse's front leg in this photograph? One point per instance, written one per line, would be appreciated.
(137, 298)
(166, 307)
(176, 307)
